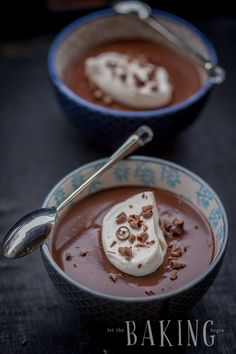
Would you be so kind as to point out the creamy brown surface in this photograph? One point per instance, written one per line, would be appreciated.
(183, 72)
(80, 232)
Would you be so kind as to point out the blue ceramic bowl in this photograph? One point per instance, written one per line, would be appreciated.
(104, 126)
(140, 171)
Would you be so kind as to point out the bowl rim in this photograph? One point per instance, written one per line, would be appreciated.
(145, 114)
(164, 296)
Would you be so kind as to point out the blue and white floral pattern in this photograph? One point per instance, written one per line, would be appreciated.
(215, 217)
(121, 172)
(98, 166)
(145, 174)
(170, 176)
(95, 187)
(59, 196)
(204, 197)
(220, 233)
(77, 180)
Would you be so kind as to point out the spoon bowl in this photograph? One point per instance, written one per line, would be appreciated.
(32, 230)
(29, 233)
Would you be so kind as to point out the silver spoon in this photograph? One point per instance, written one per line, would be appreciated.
(32, 230)
(215, 73)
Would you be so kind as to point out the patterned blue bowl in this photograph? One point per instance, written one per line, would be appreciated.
(104, 126)
(140, 171)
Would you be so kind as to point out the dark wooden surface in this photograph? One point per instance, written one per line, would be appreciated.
(38, 147)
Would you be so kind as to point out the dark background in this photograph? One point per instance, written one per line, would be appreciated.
(23, 19)
(38, 147)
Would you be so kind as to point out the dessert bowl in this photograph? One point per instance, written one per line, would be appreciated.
(105, 126)
(145, 172)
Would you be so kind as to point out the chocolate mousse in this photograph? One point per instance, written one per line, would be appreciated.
(153, 242)
(133, 75)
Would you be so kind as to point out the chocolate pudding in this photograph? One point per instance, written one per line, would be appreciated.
(182, 72)
(78, 249)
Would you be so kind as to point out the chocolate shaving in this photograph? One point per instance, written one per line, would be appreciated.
(147, 211)
(174, 275)
(138, 81)
(152, 74)
(166, 213)
(113, 277)
(133, 217)
(177, 252)
(177, 265)
(69, 256)
(178, 227)
(111, 63)
(148, 214)
(141, 245)
(75, 265)
(145, 227)
(125, 252)
(135, 221)
(132, 238)
(83, 253)
(147, 208)
(107, 99)
(113, 244)
(123, 76)
(174, 228)
(97, 94)
(139, 265)
(170, 258)
(143, 59)
(88, 224)
(130, 206)
(97, 226)
(154, 86)
(123, 233)
(185, 248)
(136, 224)
(142, 237)
(150, 242)
(149, 292)
(121, 218)
(165, 225)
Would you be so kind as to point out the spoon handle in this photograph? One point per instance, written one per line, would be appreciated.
(215, 72)
(141, 137)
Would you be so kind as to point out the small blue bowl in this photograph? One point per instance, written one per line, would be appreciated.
(140, 171)
(106, 127)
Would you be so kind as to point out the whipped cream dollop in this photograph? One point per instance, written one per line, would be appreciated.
(131, 236)
(132, 81)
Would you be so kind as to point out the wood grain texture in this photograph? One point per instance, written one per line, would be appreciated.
(38, 147)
